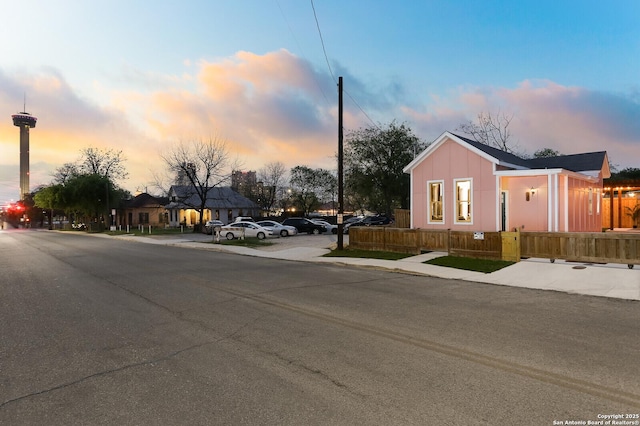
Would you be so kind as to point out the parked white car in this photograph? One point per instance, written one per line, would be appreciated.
(330, 227)
(277, 228)
(243, 219)
(244, 229)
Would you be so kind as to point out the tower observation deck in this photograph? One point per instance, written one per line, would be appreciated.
(25, 121)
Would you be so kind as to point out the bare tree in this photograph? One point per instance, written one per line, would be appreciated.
(200, 166)
(273, 177)
(106, 162)
(160, 182)
(65, 172)
(492, 130)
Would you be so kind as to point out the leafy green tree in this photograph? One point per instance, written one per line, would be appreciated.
(629, 173)
(86, 196)
(48, 198)
(311, 187)
(546, 153)
(373, 161)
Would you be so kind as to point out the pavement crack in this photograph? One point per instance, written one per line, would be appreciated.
(313, 371)
(149, 362)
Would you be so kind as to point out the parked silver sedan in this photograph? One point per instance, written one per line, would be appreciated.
(244, 230)
(277, 228)
(330, 227)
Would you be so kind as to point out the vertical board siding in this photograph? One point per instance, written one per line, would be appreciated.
(597, 247)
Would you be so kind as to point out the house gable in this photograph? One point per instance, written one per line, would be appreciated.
(453, 162)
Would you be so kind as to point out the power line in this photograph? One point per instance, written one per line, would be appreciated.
(331, 71)
(322, 42)
(302, 52)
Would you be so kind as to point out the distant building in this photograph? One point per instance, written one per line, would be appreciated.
(25, 121)
(223, 203)
(145, 210)
(244, 183)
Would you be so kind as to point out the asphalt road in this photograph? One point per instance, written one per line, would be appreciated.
(104, 331)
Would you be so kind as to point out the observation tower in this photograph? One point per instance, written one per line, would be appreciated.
(25, 121)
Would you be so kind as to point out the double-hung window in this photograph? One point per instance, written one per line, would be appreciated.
(143, 218)
(435, 201)
(463, 200)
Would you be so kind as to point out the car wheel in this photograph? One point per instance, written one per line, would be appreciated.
(284, 233)
(316, 231)
(335, 231)
(261, 236)
(230, 236)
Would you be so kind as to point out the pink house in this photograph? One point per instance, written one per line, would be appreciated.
(463, 185)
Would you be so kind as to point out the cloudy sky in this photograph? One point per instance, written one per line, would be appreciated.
(261, 75)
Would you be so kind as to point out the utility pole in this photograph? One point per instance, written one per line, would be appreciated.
(340, 171)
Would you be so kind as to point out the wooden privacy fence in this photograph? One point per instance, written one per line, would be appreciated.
(402, 218)
(486, 245)
(596, 247)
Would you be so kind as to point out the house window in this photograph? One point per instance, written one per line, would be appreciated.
(435, 201)
(463, 200)
(143, 218)
(590, 201)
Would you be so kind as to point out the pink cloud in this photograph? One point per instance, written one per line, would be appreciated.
(546, 114)
(276, 107)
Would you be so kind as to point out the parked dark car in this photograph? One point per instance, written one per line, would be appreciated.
(369, 221)
(304, 225)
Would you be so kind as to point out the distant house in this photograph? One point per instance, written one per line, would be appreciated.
(223, 203)
(145, 209)
(461, 184)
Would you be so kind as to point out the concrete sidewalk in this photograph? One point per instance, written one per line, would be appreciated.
(609, 280)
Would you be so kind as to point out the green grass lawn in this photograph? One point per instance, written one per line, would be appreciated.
(385, 255)
(470, 264)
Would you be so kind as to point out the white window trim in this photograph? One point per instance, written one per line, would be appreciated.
(455, 201)
(444, 215)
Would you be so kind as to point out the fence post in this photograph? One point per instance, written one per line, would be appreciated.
(449, 242)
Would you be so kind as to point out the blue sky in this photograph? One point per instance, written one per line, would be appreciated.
(141, 77)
